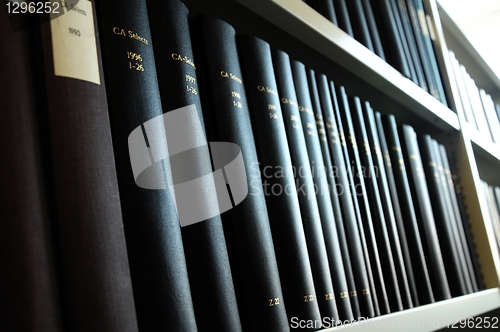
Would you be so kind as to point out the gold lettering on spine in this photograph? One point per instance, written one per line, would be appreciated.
(130, 34)
(308, 298)
(231, 76)
(185, 59)
(274, 301)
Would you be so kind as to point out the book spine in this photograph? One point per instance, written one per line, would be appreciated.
(364, 205)
(343, 104)
(405, 198)
(408, 43)
(315, 205)
(29, 294)
(391, 39)
(291, 232)
(384, 243)
(464, 229)
(89, 217)
(154, 241)
(209, 269)
(337, 238)
(344, 22)
(247, 225)
(426, 35)
(349, 233)
(443, 222)
(458, 234)
(359, 23)
(373, 29)
(387, 206)
(420, 193)
(326, 8)
(384, 161)
(411, 13)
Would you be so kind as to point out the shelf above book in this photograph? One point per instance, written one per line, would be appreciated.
(433, 316)
(317, 32)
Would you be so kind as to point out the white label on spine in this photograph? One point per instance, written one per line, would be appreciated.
(74, 44)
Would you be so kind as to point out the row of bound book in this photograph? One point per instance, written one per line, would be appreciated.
(492, 197)
(400, 32)
(329, 232)
(477, 106)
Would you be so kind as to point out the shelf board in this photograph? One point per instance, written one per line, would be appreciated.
(317, 32)
(433, 316)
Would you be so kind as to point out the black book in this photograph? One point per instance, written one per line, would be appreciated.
(325, 8)
(152, 230)
(408, 39)
(405, 198)
(97, 287)
(444, 225)
(338, 244)
(456, 226)
(204, 243)
(462, 225)
(425, 217)
(342, 101)
(390, 36)
(247, 225)
(412, 15)
(384, 242)
(313, 207)
(427, 35)
(349, 232)
(369, 220)
(296, 259)
(373, 29)
(29, 294)
(384, 161)
(387, 206)
(359, 23)
(344, 22)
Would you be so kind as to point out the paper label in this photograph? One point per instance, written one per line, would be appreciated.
(74, 44)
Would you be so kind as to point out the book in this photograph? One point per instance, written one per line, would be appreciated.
(428, 35)
(342, 103)
(204, 243)
(359, 23)
(152, 228)
(460, 209)
(97, 294)
(425, 217)
(457, 226)
(320, 99)
(366, 216)
(370, 173)
(384, 163)
(325, 8)
(311, 203)
(444, 224)
(390, 37)
(373, 29)
(387, 206)
(349, 233)
(291, 231)
(228, 120)
(343, 19)
(405, 198)
(423, 56)
(29, 282)
(409, 45)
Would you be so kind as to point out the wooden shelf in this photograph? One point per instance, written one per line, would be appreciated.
(433, 316)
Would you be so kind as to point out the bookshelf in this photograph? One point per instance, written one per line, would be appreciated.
(293, 26)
